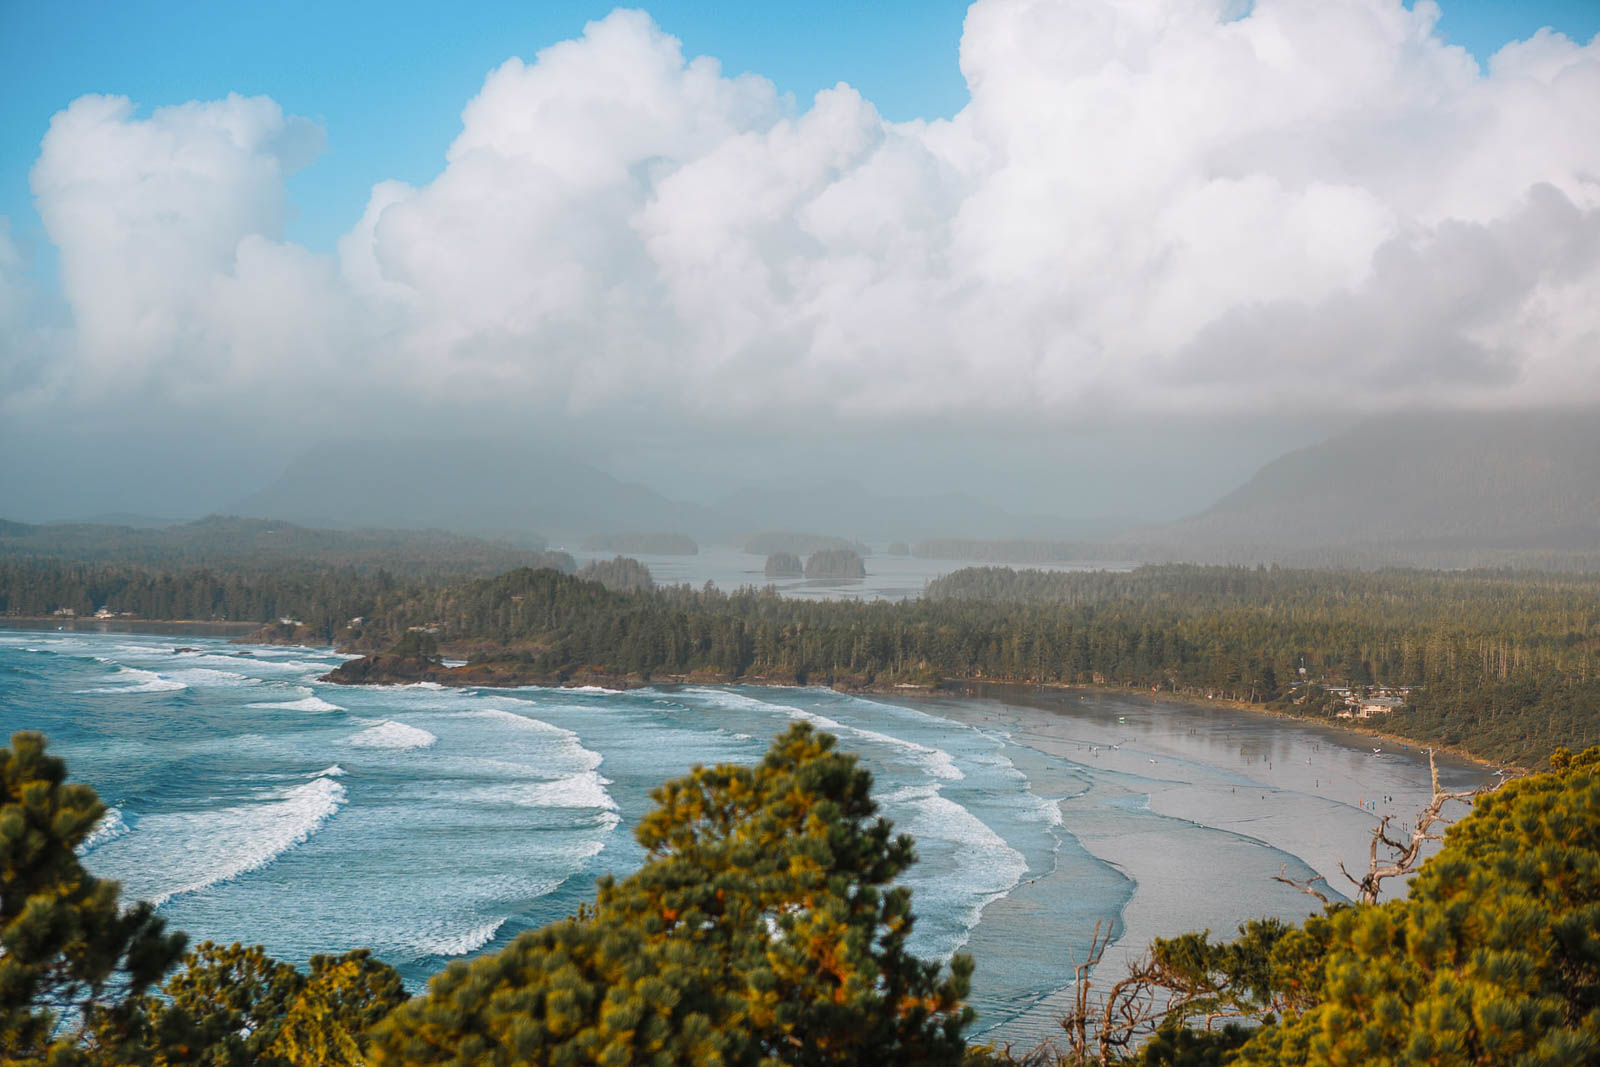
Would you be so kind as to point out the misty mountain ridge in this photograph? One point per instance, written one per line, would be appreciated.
(849, 509)
(1437, 489)
(470, 486)
(496, 489)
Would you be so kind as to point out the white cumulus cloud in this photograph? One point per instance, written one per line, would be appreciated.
(1147, 205)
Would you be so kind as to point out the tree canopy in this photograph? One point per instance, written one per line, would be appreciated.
(760, 930)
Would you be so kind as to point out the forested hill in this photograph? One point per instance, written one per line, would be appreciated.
(1445, 490)
(1505, 665)
(235, 545)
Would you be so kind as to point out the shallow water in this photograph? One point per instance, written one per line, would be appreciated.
(257, 804)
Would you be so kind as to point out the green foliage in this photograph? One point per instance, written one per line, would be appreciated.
(232, 545)
(419, 646)
(760, 930)
(619, 575)
(78, 972)
(1493, 957)
(237, 1007)
(835, 563)
(783, 565)
(73, 965)
(1505, 665)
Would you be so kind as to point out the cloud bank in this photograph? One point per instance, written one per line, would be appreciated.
(1147, 206)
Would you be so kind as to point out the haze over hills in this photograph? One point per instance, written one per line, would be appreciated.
(473, 486)
(849, 509)
(1412, 490)
(489, 487)
(1419, 489)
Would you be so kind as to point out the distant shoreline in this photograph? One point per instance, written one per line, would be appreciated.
(378, 669)
(176, 627)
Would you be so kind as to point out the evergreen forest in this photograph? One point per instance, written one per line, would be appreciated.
(1502, 664)
(764, 928)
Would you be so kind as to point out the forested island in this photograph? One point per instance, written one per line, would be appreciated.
(837, 564)
(783, 565)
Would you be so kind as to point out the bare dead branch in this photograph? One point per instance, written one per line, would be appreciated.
(1304, 887)
(1406, 855)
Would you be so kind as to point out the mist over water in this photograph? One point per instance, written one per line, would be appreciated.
(256, 804)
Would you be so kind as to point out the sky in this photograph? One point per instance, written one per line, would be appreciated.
(1100, 256)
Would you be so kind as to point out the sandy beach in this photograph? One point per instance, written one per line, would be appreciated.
(1197, 807)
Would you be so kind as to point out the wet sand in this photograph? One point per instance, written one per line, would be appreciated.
(1198, 807)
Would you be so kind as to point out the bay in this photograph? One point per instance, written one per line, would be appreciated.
(257, 804)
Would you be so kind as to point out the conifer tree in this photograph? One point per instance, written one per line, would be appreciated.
(78, 972)
(760, 930)
(73, 965)
(1492, 958)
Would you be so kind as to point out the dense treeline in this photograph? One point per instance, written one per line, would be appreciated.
(621, 573)
(1505, 665)
(221, 543)
(324, 599)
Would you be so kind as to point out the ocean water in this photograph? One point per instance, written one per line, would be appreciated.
(254, 803)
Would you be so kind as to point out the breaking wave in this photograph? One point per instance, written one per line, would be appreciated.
(171, 854)
(139, 681)
(389, 734)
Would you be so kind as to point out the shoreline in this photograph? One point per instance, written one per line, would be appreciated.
(176, 627)
(1192, 769)
(373, 669)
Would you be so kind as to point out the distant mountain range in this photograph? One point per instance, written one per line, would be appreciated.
(848, 509)
(480, 487)
(1432, 490)
(491, 488)
(1444, 490)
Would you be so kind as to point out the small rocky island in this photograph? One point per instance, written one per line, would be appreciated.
(784, 565)
(837, 564)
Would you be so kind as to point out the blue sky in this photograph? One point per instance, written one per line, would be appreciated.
(388, 80)
(1136, 222)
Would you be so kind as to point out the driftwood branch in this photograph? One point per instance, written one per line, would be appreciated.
(1305, 887)
(1405, 855)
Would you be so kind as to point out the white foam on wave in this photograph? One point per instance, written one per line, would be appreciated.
(211, 678)
(395, 736)
(304, 704)
(511, 718)
(936, 761)
(170, 854)
(593, 690)
(458, 943)
(139, 681)
(110, 827)
(568, 750)
(987, 868)
(587, 789)
(335, 771)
